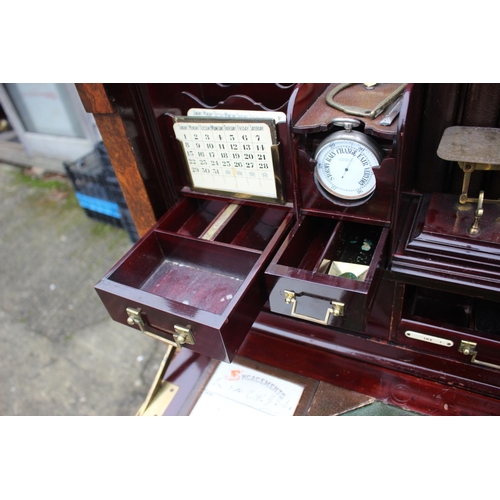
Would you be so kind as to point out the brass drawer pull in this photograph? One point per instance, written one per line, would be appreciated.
(336, 309)
(469, 348)
(182, 335)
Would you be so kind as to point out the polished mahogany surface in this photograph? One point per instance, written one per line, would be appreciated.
(435, 246)
(427, 278)
(394, 383)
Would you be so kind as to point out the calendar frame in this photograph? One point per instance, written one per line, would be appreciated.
(276, 179)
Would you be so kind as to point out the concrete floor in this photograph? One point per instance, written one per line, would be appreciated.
(61, 354)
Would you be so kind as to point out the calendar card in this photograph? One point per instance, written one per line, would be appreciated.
(235, 156)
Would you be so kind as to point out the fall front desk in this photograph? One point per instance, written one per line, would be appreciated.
(319, 229)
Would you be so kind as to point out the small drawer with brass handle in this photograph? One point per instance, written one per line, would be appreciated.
(328, 272)
(460, 344)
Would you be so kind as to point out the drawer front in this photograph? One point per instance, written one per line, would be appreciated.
(463, 346)
(329, 306)
(149, 318)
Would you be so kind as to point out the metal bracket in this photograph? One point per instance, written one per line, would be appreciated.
(161, 392)
(183, 334)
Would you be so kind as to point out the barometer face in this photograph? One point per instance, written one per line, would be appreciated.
(345, 163)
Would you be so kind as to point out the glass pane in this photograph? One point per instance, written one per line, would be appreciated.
(45, 108)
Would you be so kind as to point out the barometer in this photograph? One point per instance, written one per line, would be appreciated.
(345, 163)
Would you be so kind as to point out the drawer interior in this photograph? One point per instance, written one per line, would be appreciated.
(450, 310)
(191, 217)
(336, 248)
(192, 272)
(201, 253)
(247, 226)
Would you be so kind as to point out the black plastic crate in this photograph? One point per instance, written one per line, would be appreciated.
(91, 178)
(106, 219)
(98, 191)
(101, 150)
(128, 225)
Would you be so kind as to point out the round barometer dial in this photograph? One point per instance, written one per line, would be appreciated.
(345, 163)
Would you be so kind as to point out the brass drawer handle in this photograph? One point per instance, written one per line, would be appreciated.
(182, 335)
(336, 309)
(469, 348)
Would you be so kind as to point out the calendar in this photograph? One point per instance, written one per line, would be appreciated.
(237, 156)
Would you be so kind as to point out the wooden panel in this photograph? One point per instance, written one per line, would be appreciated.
(125, 166)
(114, 135)
(94, 98)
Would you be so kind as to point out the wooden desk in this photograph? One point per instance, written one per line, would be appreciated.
(377, 357)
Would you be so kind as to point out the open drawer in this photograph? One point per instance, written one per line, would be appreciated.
(327, 272)
(196, 278)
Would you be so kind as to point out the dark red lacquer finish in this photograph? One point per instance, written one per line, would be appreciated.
(421, 330)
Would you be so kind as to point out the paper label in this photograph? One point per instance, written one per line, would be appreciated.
(237, 390)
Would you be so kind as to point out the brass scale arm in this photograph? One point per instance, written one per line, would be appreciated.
(473, 148)
(468, 168)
